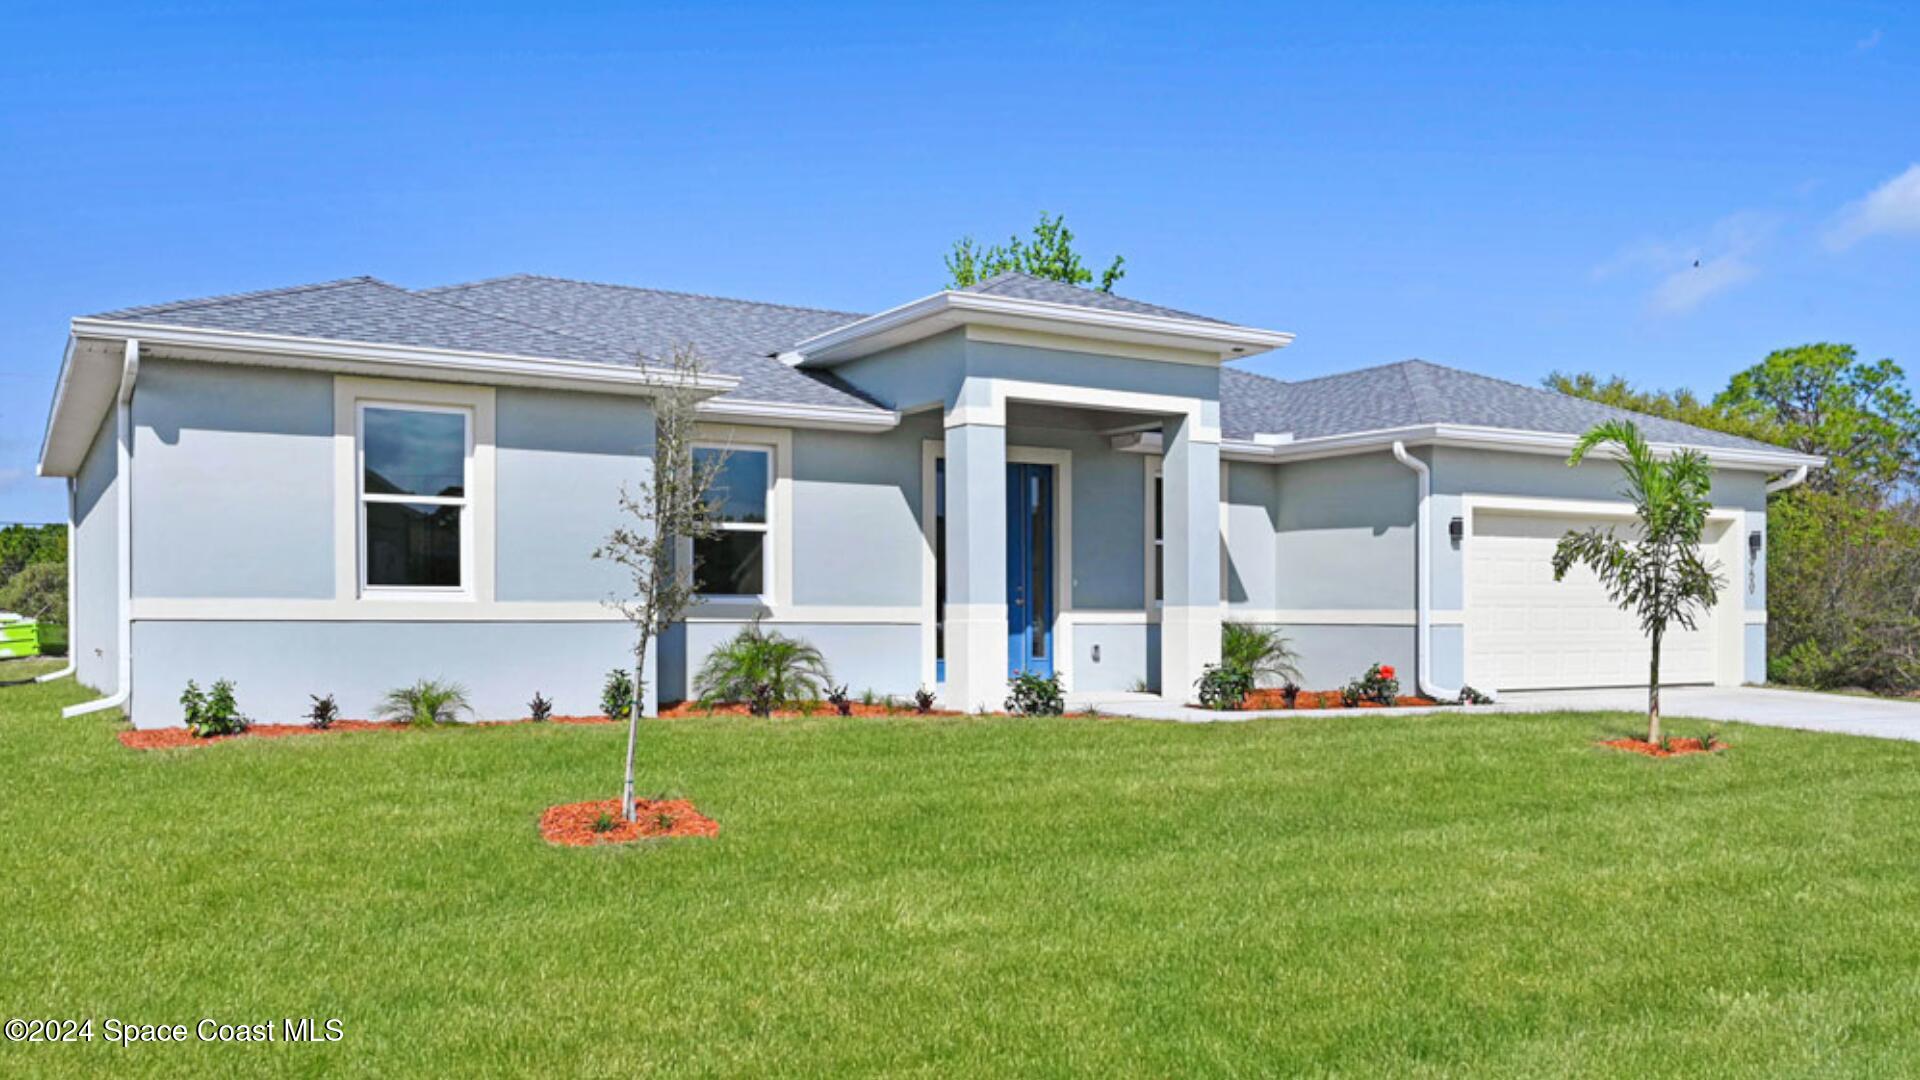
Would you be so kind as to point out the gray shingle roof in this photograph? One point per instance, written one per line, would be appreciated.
(1415, 392)
(364, 309)
(734, 337)
(1028, 287)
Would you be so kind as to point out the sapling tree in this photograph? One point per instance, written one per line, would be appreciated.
(1659, 574)
(661, 517)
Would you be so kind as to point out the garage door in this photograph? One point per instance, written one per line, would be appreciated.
(1526, 631)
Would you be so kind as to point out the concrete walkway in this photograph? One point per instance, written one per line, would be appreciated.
(1878, 717)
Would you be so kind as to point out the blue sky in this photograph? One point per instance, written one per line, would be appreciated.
(1509, 188)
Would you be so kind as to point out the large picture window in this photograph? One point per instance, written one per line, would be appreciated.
(733, 562)
(414, 490)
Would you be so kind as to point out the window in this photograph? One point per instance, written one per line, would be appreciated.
(1159, 539)
(414, 490)
(733, 562)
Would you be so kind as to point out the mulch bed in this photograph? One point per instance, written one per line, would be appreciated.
(572, 824)
(1674, 747)
(177, 737)
(689, 709)
(1320, 699)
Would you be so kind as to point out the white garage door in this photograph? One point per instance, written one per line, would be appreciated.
(1526, 631)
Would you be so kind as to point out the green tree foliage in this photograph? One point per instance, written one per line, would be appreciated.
(764, 668)
(1658, 573)
(1843, 551)
(1048, 254)
(24, 545)
(38, 591)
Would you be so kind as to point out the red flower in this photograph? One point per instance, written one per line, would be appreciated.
(1386, 671)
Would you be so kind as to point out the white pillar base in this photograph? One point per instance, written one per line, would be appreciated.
(976, 657)
(1189, 641)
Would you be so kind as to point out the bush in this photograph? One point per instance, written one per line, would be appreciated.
(1224, 686)
(323, 713)
(1377, 685)
(763, 668)
(214, 712)
(1261, 651)
(923, 701)
(837, 697)
(539, 709)
(616, 695)
(38, 591)
(425, 704)
(1291, 692)
(1351, 696)
(1470, 696)
(1035, 695)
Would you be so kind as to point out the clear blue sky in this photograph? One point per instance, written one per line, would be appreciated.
(1509, 188)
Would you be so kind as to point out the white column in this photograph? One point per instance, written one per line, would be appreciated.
(1190, 613)
(976, 566)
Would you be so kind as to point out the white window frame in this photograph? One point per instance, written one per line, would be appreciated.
(352, 395)
(768, 529)
(1156, 545)
(362, 497)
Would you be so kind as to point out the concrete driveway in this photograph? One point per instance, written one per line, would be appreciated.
(1878, 717)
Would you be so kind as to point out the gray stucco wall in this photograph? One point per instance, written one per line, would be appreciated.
(95, 635)
(1346, 533)
(1252, 497)
(559, 464)
(857, 539)
(881, 657)
(233, 494)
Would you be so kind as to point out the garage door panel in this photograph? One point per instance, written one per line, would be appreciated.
(1527, 631)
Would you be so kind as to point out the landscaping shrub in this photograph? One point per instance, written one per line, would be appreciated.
(539, 709)
(1261, 651)
(1224, 686)
(1035, 695)
(323, 713)
(923, 701)
(214, 712)
(616, 695)
(1470, 696)
(1378, 685)
(762, 667)
(1290, 692)
(426, 703)
(837, 697)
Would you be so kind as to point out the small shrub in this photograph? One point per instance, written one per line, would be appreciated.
(663, 821)
(807, 706)
(1377, 685)
(1350, 695)
(1290, 693)
(1261, 651)
(1709, 740)
(323, 713)
(616, 695)
(539, 710)
(1034, 695)
(760, 663)
(1470, 696)
(761, 699)
(1666, 744)
(837, 697)
(1140, 686)
(868, 697)
(605, 822)
(214, 712)
(427, 703)
(1224, 687)
(923, 701)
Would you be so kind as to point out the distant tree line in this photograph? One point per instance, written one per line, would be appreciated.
(1843, 559)
(33, 572)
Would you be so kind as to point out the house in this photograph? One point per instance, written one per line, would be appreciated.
(342, 487)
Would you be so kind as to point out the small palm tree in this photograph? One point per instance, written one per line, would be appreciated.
(763, 667)
(1658, 575)
(1261, 651)
(426, 703)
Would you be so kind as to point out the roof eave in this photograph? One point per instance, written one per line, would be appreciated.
(948, 309)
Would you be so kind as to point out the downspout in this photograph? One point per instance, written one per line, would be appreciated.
(1423, 569)
(123, 477)
(72, 484)
(1791, 480)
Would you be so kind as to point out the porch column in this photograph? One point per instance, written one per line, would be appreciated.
(1190, 613)
(976, 566)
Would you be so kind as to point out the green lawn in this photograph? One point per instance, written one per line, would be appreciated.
(1433, 895)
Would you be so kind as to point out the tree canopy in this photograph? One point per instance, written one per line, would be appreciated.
(1049, 253)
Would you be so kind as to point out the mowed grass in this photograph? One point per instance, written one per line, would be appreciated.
(1409, 895)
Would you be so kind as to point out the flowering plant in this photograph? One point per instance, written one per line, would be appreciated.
(1378, 685)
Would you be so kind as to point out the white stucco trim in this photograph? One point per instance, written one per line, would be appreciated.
(123, 539)
(999, 392)
(1036, 339)
(350, 393)
(828, 417)
(1509, 439)
(1341, 616)
(247, 609)
(931, 451)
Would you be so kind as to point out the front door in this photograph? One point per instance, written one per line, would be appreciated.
(1029, 569)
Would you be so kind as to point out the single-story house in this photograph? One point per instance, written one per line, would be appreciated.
(343, 487)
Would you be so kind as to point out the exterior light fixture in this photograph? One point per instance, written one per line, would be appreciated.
(1456, 529)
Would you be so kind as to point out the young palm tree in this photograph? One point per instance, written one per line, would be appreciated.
(1262, 651)
(1659, 574)
(427, 703)
(764, 667)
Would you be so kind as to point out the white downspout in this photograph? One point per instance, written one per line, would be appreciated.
(1791, 480)
(72, 483)
(1423, 568)
(123, 476)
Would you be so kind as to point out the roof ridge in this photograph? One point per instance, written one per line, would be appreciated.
(226, 298)
(555, 331)
(641, 288)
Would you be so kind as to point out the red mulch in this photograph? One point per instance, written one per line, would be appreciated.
(572, 824)
(1320, 699)
(687, 709)
(1674, 747)
(176, 737)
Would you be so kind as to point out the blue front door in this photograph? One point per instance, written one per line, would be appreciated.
(1030, 569)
